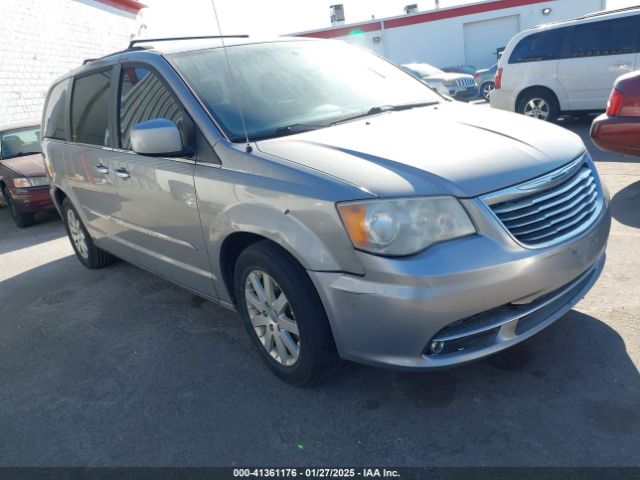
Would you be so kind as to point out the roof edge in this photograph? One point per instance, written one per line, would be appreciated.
(416, 18)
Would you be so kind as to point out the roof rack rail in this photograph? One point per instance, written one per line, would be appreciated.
(112, 54)
(171, 39)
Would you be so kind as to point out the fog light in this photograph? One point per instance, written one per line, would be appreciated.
(437, 347)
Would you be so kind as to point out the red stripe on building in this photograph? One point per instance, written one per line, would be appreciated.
(340, 32)
(131, 6)
(423, 17)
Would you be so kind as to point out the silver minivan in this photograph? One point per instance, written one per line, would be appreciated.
(342, 207)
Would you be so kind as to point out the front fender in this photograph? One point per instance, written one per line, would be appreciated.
(319, 246)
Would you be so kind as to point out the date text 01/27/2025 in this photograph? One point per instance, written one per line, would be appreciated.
(313, 473)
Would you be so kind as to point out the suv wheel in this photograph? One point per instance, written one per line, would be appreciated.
(89, 255)
(486, 89)
(540, 104)
(283, 314)
(21, 219)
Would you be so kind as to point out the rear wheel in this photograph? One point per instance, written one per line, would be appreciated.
(486, 89)
(540, 104)
(283, 315)
(21, 219)
(89, 255)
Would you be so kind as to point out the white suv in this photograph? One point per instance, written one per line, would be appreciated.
(567, 66)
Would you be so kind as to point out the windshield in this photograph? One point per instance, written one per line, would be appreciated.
(288, 87)
(20, 142)
(423, 69)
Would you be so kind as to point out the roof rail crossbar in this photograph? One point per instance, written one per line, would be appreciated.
(170, 39)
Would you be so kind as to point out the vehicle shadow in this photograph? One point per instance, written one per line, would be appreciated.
(550, 399)
(48, 227)
(121, 366)
(625, 203)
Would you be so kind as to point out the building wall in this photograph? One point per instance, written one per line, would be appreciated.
(442, 42)
(42, 39)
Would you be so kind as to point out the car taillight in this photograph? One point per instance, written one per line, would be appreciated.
(498, 82)
(475, 76)
(615, 103)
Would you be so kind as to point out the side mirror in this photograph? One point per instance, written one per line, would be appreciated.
(157, 138)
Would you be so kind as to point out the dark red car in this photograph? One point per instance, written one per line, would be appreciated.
(23, 177)
(618, 130)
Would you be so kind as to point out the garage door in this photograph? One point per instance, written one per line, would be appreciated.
(483, 39)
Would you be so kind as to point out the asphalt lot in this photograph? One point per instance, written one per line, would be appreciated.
(118, 367)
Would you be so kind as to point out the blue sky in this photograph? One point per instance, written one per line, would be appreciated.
(275, 17)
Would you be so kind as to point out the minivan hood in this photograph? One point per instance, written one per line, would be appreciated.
(451, 148)
(28, 166)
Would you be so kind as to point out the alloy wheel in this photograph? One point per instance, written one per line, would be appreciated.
(272, 318)
(486, 91)
(537, 108)
(77, 234)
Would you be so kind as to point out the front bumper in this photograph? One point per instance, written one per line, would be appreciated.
(33, 199)
(465, 94)
(391, 316)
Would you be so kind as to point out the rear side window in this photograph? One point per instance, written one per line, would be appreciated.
(610, 37)
(55, 116)
(539, 47)
(90, 109)
(143, 96)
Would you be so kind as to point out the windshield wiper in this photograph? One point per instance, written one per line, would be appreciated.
(384, 108)
(288, 130)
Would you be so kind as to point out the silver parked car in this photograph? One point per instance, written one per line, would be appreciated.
(460, 86)
(336, 205)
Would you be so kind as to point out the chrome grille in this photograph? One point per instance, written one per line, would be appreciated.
(550, 209)
(466, 82)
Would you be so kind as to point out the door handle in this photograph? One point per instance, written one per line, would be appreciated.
(102, 168)
(122, 172)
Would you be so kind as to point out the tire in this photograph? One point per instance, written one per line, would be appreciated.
(21, 219)
(301, 326)
(486, 88)
(89, 255)
(539, 103)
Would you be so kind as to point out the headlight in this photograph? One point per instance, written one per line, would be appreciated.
(30, 182)
(450, 83)
(404, 226)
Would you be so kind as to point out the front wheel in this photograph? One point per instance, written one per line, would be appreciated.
(283, 315)
(89, 255)
(21, 219)
(540, 104)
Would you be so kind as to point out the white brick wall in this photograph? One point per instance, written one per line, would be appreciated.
(42, 39)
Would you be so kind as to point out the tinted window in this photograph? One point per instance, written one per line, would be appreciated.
(539, 47)
(16, 143)
(55, 117)
(143, 96)
(611, 37)
(90, 107)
